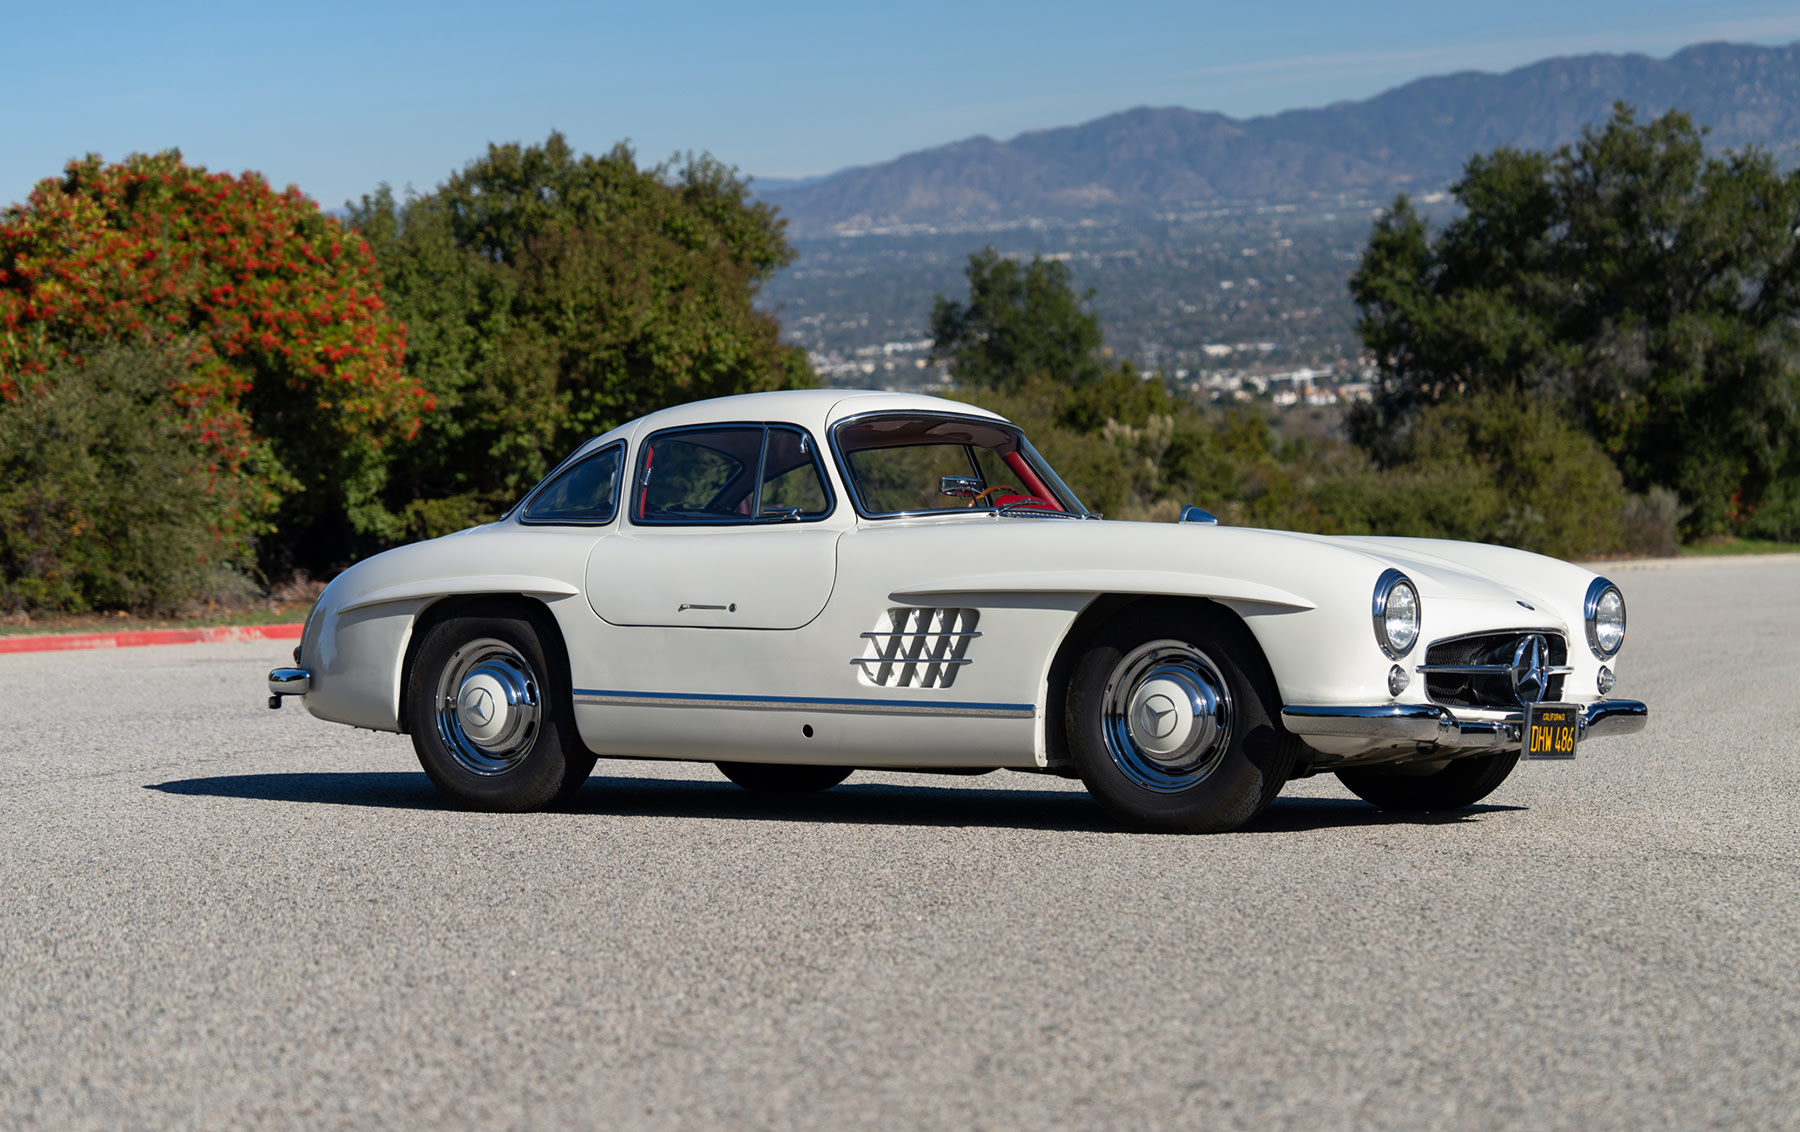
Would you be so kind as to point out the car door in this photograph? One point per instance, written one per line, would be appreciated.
(728, 527)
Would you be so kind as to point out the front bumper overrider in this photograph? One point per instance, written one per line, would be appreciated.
(288, 682)
(1438, 727)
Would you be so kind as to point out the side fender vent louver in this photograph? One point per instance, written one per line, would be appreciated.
(918, 648)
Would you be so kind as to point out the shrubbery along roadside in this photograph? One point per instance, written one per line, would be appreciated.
(109, 498)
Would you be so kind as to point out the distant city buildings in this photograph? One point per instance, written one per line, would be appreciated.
(906, 364)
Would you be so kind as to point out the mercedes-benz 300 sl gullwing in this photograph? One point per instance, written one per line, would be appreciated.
(798, 585)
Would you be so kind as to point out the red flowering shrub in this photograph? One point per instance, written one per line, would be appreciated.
(293, 377)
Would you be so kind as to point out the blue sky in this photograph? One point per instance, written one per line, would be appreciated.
(337, 97)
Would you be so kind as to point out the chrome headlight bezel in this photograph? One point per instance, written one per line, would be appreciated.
(1590, 612)
(1385, 586)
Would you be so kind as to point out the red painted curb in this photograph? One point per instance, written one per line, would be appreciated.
(151, 637)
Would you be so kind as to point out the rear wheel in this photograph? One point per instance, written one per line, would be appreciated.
(782, 778)
(490, 716)
(1463, 783)
(1172, 725)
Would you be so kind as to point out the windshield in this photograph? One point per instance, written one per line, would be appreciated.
(908, 463)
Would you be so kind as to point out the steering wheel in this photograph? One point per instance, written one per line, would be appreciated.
(999, 487)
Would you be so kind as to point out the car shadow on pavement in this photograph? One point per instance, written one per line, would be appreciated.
(868, 803)
(854, 803)
(396, 790)
(1298, 815)
(638, 796)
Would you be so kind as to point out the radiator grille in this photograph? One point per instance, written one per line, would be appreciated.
(1488, 689)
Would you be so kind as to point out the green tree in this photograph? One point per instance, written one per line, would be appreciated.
(1487, 467)
(1020, 323)
(550, 296)
(108, 496)
(1648, 291)
(291, 374)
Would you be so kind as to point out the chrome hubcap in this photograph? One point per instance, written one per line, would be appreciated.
(488, 705)
(1168, 716)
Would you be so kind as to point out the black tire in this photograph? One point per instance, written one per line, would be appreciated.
(783, 778)
(528, 755)
(1463, 783)
(1225, 757)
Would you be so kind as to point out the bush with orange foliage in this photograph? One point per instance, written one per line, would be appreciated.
(293, 378)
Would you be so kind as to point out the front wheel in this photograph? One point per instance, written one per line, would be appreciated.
(490, 717)
(1463, 783)
(1171, 724)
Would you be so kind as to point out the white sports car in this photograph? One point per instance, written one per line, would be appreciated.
(796, 585)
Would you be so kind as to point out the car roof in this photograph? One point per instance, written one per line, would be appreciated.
(813, 409)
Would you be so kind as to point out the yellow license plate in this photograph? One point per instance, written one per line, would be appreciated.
(1551, 731)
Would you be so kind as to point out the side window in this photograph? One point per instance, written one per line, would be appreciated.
(587, 492)
(734, 474)
(703, 475)
(792, 485)
(892, 480)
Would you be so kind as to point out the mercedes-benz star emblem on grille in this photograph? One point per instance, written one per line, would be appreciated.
(1530, 668)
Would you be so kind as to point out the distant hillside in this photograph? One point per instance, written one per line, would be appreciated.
(1413, 138)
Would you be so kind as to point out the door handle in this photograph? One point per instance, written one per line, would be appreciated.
(687, 605)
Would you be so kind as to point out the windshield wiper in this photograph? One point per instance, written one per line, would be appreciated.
(1026, 507)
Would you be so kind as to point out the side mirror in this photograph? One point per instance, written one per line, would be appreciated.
(1193, 514)
(961, 487)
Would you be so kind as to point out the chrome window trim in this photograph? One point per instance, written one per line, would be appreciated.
(1075, 508)
(753, 520)
(1590, 606)
(1384, 586)
(569, 463)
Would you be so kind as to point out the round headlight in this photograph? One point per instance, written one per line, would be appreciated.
(1605, 618)
(1396, 613)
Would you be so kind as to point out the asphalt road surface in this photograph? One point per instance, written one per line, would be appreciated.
(216, 915)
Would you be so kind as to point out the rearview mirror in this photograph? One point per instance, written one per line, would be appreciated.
(961, 487)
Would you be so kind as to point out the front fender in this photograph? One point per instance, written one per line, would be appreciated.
(356, 659)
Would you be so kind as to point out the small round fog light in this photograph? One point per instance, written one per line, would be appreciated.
(1605, 680)
(1397, 680)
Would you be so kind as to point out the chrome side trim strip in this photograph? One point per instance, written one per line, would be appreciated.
(903, 660)
(805, 703)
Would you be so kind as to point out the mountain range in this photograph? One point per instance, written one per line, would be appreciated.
(1414, 138)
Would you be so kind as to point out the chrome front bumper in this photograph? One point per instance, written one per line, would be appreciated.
(1431, 725)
